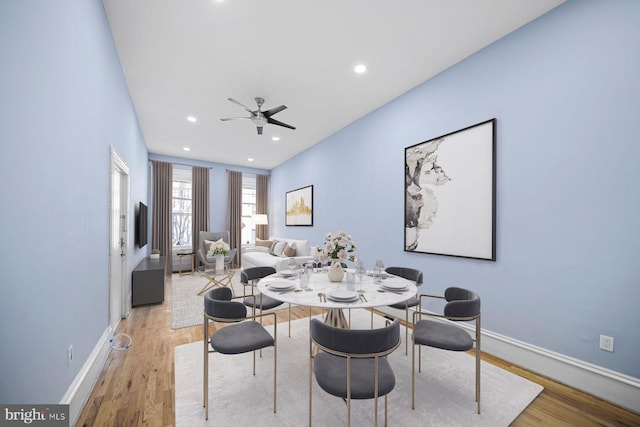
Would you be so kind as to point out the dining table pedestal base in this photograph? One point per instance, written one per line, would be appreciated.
(335, 317)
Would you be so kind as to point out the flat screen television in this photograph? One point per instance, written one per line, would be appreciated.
(141, 225)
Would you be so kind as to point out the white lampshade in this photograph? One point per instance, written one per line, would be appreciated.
(260, 219)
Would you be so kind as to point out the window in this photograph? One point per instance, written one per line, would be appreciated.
(181, 210)
(248, 208)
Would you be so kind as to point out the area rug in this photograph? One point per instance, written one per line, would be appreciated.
(445, 389)
(186, 304)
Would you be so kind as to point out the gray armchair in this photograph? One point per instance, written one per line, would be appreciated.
(250, 277)
(462, 306)
(409, 274)
(243, 334)
(353, 363)
(213, 236)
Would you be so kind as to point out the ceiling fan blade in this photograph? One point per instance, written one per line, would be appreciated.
(234, 118)
(241, 104)
(273, 111)
(276, 122)
(259, 130)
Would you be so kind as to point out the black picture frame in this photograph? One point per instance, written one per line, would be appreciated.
(450, 194)
(299, 207)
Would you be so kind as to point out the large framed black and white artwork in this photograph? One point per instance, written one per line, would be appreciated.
(450, 194)
(299, 206)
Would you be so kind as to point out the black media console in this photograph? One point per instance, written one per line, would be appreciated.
(147, 282)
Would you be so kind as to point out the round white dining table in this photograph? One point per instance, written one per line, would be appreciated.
(321, 289)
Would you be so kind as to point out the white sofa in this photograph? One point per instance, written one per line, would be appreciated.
(262, 255)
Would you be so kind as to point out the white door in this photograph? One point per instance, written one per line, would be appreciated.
(119, 294)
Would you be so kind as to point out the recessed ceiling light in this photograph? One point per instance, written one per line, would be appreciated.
(275, 138)
(250, 159)
(360, 69)
(192, 119)
(186, 148)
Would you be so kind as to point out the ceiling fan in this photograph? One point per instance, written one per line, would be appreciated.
(259, 117)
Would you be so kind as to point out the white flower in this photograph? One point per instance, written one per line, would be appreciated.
(338, 246)
(219, 247)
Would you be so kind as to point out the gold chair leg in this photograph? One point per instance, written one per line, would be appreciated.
(254, 309)
(386, 417)
(375, 391)
(310, 373)
(413, 375)
(205, 375)
(348, 391)
(478, 335)
(290, 319)
(375, 411)
(275, 362)
(406, 330)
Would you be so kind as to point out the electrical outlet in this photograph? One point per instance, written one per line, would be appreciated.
(606, 343)
(69, 355)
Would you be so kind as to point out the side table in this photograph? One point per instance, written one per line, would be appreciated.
(182, 255)
(218, 278)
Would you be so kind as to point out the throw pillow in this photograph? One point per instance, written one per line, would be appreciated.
(264, 243)
(207, 246)
(273, 245)
(277, 248)
(289, 250)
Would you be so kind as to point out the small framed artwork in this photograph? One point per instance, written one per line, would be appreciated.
(449, 194)
(299, 206)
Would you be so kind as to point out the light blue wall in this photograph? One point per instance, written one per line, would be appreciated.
(63, 102)
(565, 92)
(218, 186)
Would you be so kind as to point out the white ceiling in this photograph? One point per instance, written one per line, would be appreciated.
(185, 58)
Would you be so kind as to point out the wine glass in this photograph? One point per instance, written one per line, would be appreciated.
(361, 271)
(305, 275)
(293, 266)
(316, 260)
(378, 269)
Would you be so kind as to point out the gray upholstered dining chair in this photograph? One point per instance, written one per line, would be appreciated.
(243, 336)
(409, 274)
(352, 363)
(214, 236)
(439, 332)
(249, 277)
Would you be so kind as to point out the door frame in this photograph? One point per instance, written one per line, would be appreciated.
(120, 167)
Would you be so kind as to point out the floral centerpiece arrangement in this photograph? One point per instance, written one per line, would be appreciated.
(219, 247)
(338, 247)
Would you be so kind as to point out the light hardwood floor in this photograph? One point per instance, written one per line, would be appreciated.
(136, 386)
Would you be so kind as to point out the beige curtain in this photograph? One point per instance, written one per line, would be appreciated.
(235, 214)
(200, 206)
(262, 204)
(162, 182)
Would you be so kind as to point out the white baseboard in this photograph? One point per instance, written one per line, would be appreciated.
(614, 387)
(80, 389)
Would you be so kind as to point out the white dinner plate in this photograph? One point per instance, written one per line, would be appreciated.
(395, 286)
(370, 273)
(281, 286)
(287, 273)
(342, 295)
